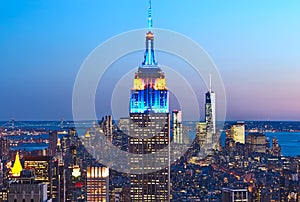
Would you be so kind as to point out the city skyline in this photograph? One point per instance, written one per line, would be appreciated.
(163, 134)
(44, 46)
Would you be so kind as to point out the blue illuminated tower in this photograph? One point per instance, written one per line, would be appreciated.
(149, 128)
(149, 92)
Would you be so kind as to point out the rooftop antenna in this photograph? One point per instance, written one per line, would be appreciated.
(149, 17)
(149, 53)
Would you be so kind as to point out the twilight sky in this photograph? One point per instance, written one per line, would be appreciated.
(254, 44)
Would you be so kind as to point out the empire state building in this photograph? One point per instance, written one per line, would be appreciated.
(149, 129)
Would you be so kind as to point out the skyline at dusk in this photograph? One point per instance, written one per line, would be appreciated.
(147, 101)
(255, 46)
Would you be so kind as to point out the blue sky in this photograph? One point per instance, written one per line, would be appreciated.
(255, 45)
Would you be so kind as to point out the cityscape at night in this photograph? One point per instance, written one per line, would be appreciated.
(149, 115)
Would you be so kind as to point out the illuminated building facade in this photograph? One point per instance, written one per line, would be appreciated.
(3, 194)
(97, 184)
(237, 132)
(41, 165)
(149, 128)
(256, 142)
(201, 133)
(177, 127)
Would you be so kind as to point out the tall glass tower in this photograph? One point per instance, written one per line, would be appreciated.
(149, 128)
(210, 114)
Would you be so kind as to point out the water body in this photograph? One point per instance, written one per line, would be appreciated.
(289, 141)
(30, 146)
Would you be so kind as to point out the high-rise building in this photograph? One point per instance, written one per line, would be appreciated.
(97, 183)
(87, 139)
(256, 142)
(25, 188)
(210, 113)
(237, 132)
(234, 195)
(52, 143)
(276, 148)
(201, 133)
(107, 126)
(4, 148)
(42, 167)
(149, 129)
(177, 127)
(58, 176)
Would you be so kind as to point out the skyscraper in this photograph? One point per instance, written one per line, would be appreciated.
(237, 132)
(97, 183)
(177, 127)
(210, 113)
(43, 170)
(256, 142)
(201, 133)
(25, 188)
(4, 148)
(52, 143)
(149, 128)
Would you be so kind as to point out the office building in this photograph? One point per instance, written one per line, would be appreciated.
(276, 148)
(237, 132)
(234, 195)
(52, 143)
(26, 189)
(256, 142)
(97, 183)
(201, 133)
(149, 129)
(4, 148)
(177, 127)
(41, 165)
(210, 113)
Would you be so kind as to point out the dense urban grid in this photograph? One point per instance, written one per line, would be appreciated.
(63, 170)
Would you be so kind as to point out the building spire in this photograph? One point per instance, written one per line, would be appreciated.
(149, 17)
(17, 168)
(149, 59)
